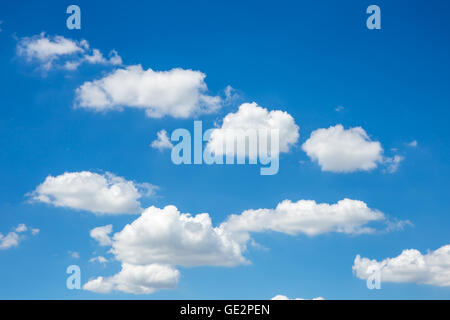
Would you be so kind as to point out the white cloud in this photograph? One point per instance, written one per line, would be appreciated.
(9, 241)
(74, 254)
(13, 238)
(101, 235)
(45, 48)
(162, 142)
(21, 228)
(413, 143)
(308, 217)
(97, 58)
(393, 163)
(250, 116)
(432, 268)
(339, 150)
(136, 279)
(178, 93)
(166, 236)
(282, 297)
(99, 259)
(231, 96)
(58, 51)
(98, 193)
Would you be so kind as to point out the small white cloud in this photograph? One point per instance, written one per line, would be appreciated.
(99, 259)
(178, 93)
(339, 150)
(101, 235)
(432, 268)
(46, 49)
(21, 228)
(162, 142)
(231, 95)
(60, 52)
(74, 254)
(97, 193)
(393, 163)
(97, 58)
(282, 297)
(9, 241)
(136, 279)
(13, 238)
(114, 58)
(413, 143)
(35, 231)
(339, 108)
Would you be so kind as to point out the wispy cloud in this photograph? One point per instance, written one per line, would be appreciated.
(62, 53)
(13, 238)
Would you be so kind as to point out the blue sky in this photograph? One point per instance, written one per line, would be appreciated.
(306, 59)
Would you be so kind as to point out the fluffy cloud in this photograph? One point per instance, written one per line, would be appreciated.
(166, 236)
(308, 217)
(98, 193)
(58, 51)
(282, 297)
(13, 238)
(432, 268)
(339, 150)
(178, 93)
(250, 116)
(162, 142)
(160, 239)
(136, 279)
(101, 234)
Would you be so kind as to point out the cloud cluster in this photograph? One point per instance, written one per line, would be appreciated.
(160, 239)
(178, 92)
(168, 238)
(97, 193)
(13, 238)
(432, 268)
(250, 116)
(60, 52)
